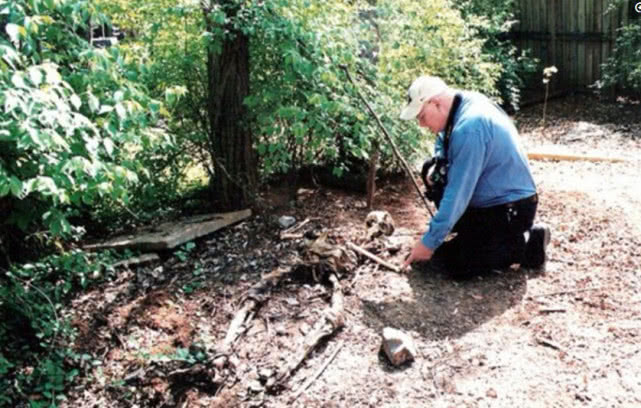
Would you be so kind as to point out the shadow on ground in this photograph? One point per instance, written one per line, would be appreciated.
(442, 307)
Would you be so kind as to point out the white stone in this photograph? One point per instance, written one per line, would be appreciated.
(286, 221)
(398, 346)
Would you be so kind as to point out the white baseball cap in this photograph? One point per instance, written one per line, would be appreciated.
(422, 89)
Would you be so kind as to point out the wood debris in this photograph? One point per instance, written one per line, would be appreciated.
(169, 235)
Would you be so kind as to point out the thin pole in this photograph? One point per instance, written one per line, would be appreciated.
(405, 166)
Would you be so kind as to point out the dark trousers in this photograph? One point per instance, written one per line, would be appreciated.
(488, 238)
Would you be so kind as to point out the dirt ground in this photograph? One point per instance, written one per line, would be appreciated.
(566, 336)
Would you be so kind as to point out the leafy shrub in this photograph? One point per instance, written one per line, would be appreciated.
(303, 110)
(73, 118)
(492, 21)
(36, 354)
(306, 111)
(623, 68)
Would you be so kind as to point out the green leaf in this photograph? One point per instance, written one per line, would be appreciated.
(35, 75)
(109, 146)
(18, 80)
(16, 186)
(105, 109)
(75, 101)
(121, 111)
(94, 103)
(52, 74)
(4, 189)
(15, 31)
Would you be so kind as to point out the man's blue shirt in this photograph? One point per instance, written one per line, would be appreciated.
(486, 165)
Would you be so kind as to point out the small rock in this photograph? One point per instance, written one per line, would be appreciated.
(271, 381)
(286, 221)
(265, 373)
(157, 272)
(255, 386)
(491, 393)
(398, 346)
(233, 361)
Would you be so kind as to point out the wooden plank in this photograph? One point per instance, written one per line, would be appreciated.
(589, 46)
(565, 27)
(551, 23)
(598, 27)
(531, 14)
(572, 157)
(606, 30)
(172, 234)
(589, 60)
(581, 69)
(540, 15)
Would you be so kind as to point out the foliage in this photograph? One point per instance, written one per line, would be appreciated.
(492, 20)
(623, 68)
(183, 252)
(303, 107)
(73, 118)
(167, 38)
(36, 355)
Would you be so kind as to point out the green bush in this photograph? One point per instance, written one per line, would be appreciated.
(36, 347)
(492, 21)
(623, 68)
(74, 117)
(305, 110)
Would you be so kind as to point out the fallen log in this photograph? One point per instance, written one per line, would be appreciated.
(332, 320)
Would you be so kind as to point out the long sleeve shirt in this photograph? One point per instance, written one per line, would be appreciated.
(486, 165)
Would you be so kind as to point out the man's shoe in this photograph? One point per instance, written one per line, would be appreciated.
(536, 246)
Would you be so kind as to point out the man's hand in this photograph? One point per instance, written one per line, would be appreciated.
(419, 253)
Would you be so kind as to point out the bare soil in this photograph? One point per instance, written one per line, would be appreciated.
(566, 336)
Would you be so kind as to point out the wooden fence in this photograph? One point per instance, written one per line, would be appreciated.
(576, 36)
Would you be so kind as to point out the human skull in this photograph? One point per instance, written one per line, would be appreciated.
(379, 223)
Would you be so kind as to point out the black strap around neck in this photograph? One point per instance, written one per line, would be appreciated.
(449, 125)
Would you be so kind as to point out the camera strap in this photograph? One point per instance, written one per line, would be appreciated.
(449, 125)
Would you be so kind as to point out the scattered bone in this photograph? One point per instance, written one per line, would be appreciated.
(332, 321)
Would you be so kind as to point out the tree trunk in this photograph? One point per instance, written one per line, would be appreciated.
(230, 138)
